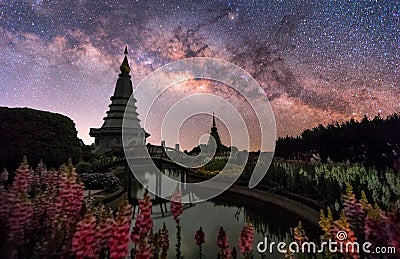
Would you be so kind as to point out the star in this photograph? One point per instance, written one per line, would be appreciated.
(318, 62)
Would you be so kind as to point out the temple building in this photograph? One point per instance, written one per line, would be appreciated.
(109, 136)
(221, 148)
(214, 133)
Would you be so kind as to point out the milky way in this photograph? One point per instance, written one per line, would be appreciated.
(318, 62)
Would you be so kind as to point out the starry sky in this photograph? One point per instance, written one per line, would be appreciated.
(317, 61)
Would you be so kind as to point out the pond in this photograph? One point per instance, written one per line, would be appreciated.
(230, 211)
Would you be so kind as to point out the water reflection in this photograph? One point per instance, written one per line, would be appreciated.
(152, 180)
(266, 218)
(229, 210)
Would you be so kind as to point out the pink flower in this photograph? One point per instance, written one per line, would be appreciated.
(144, 222)
(143, 225)
(83, 241)
(20, 206)
(246, 239)
(105, 228)
(199, 237)
(222, 243)
(119, 240)
(70, 198)
(299, 234)
(135, 235)
(176, 205)
(20, 218)
(22, 178)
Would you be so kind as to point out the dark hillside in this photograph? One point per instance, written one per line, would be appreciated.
(37, 134)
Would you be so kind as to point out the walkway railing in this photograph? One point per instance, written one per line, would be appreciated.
(115, 157)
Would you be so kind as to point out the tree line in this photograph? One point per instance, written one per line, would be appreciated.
(372, 142)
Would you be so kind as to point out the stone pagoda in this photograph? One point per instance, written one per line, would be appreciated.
(214, 133)
(221, 148)
(109, 136)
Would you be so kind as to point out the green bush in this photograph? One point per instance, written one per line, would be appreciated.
(84, 167)
(216, 165)
(108, 181)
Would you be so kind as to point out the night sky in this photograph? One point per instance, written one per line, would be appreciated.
(317, 61)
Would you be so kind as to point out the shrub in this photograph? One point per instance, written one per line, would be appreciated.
(84, 167)
(108, 181)
(216, 165)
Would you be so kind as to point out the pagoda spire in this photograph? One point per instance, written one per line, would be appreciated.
(109, 136)
(214, 134)
(125, 68)
(214, 124)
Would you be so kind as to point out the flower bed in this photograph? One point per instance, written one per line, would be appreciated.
(45, 216)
